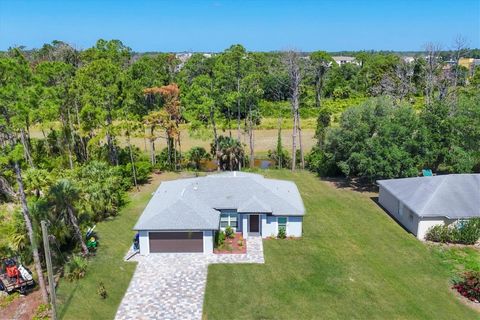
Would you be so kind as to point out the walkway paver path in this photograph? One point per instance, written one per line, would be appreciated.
(172, 285)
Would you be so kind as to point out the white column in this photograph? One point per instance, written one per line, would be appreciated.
(264, 229)
(144, 243)
(245, 226)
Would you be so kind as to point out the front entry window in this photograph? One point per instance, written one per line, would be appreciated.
(228, 219)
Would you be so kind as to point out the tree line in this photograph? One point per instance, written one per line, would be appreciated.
(86, 107)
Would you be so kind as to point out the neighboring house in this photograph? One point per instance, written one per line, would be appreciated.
(341, 60)
(183, 215)
(420, 203)
(469, 63)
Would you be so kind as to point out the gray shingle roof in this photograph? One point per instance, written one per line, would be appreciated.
(454, 196)
(193, 204)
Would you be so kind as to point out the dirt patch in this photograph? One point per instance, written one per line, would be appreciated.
(23, 307)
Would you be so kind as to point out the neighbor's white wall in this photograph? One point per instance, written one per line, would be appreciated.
(144, 243)
(398, 210)
(294, 226)
(208, 241)
(426, 223)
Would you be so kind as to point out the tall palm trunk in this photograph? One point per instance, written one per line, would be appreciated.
(251, 139)
(28, 224)
(76, 228)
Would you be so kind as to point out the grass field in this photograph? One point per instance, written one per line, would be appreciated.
(265, 139)
(354, 262)
(79, 299)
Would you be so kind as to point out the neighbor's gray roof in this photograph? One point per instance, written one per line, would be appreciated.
(454, 196)
(193, 204)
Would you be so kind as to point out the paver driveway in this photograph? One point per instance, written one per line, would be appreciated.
(172, 285)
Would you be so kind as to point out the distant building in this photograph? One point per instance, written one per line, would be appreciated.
(341, 60)
(469, 63)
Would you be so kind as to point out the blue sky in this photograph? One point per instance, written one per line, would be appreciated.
(178, 25)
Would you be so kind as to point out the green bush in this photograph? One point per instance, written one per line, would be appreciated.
(219, 238)
(282, 233)
(143, 170)
(76, 268)
(468, 231)
(101, 291)
(464, 232)
(439, 233)
(229, 233)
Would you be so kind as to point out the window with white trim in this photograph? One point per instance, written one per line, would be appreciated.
(228, 219)
(282, 223)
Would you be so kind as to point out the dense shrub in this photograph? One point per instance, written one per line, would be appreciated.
(468, 231)
(229, 233)
(282, 159)
(469, 286)
(219, 238)
(464, 232)
(142, 169)
(439, 233)
(164, 162)
(76, 268)
(195, 156)
(282, 233)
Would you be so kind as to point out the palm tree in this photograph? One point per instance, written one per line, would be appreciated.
(62, 196)
(230, 152)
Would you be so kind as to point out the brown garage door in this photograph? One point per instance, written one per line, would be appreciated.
(176, 241)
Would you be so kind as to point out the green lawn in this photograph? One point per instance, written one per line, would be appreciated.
(79, 299)
(354, 262)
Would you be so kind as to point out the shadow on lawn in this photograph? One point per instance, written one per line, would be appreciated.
(355, 184)
(68, 301)
(375, 200)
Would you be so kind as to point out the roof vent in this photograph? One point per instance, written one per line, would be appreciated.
(195, 186)
(234, 173)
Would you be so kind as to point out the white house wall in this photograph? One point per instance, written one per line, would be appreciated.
(426, 223)
(144, 243)
(294, 226)
(208, 241)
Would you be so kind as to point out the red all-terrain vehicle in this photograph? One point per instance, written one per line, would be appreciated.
(15, 277)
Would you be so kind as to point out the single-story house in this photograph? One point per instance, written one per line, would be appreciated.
(422, 202)
(183, 215)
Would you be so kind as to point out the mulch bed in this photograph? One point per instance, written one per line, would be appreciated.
(233, 244)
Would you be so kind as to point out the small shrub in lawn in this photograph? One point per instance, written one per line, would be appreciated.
(219, 238)
(42, 312)
(76, 268)
(101, 291)
(469, 286)
(282, 233)
(229, 232)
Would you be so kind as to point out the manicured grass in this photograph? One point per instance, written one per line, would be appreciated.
(79, 299)
(458, 259)
(354, 262)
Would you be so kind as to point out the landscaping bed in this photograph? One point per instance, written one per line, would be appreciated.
(235, 245)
